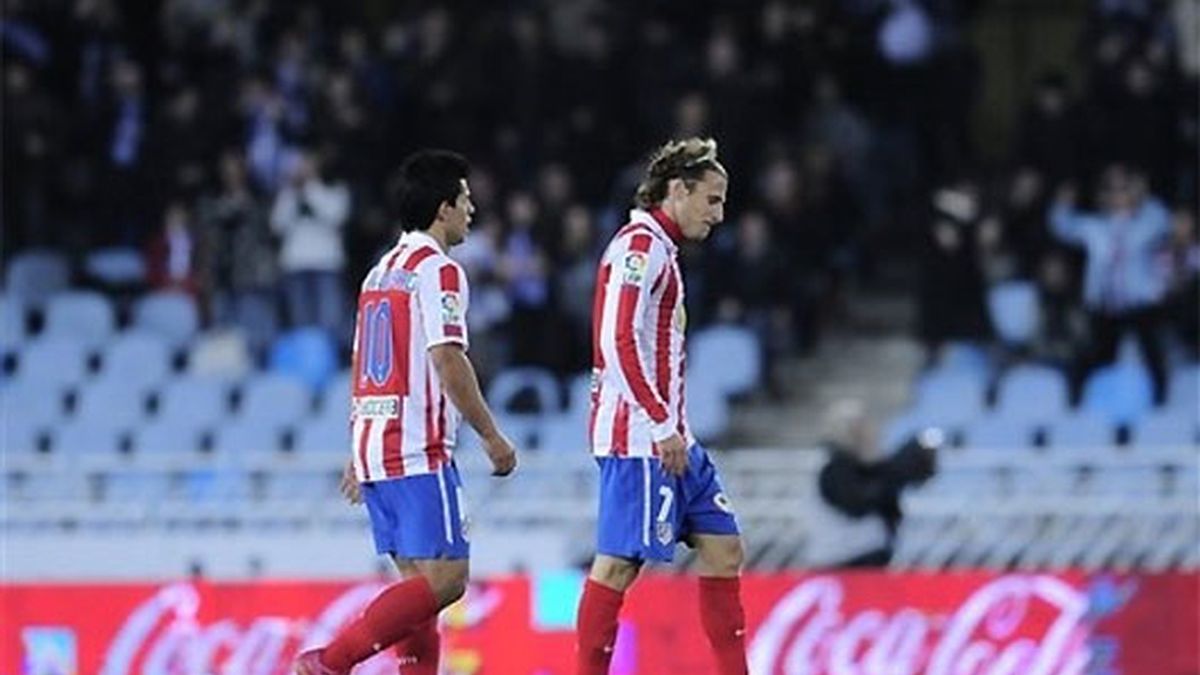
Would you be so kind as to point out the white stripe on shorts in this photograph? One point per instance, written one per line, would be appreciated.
(445, 505)
(645, 501)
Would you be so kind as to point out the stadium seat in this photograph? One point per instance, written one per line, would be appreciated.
(707, 408)
(221, 353)
(136, 486)
(245, 436)
(77, 440)
(82, 315)
(165, 437)
(12, 323)
(170, 314)
(562, 433)
(963, 356)
(579, 396)
(63, 486)
(510, 383)
(998, 433)
(323, 435)
(274, 400)
(307, 354)
(335, 399)
(35, 275)
(1033, 394)
(194, 402)
(1080, 431)
(308, 485)
(1138, 481)
(137, 357)
(112, 403)
(216, 485)
(257, 315)
(949, 398)
(1166, 428)
(54, 361)
(116, 266)
(1015, 312)
(898, 431)
(33, 402)
(732, 353)
(1183, 388)
(19, 437)
(1120, 393)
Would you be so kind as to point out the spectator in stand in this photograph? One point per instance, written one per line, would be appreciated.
(1048, 137)
(308, 216)
(171, 254)
(1125, 284)
(860, 488)
(1062, 337)
(1183, 295)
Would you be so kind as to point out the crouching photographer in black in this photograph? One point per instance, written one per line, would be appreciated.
(858, 510)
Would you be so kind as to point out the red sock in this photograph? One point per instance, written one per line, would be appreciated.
(596, 628)
(418, 651)
(398, 610)
(724, 622)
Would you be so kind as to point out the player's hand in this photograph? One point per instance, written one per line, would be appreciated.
(349, 486)
(502, 453)
(673, 453)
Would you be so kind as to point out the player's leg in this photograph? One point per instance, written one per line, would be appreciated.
(625, 535)
(596, 625)
(419, 650)
(712, 530)
(431, 553)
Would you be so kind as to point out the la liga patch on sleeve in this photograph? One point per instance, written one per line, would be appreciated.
(634, 268)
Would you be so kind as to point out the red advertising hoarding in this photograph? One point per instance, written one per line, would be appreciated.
(868, 623)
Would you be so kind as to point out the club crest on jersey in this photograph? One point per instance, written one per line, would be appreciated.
(722, 502)
(451, 307)
(635, 267)
(665, 532)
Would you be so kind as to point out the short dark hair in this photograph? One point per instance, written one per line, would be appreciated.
(424, 181)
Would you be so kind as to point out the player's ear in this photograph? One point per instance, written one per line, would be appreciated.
(677, 188)
(444, 210)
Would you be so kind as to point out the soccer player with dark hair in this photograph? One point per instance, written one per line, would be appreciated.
(657, 485)
(412, 382)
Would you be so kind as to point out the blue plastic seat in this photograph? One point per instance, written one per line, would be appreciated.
(1183, 389)
(193, 401)
(1168, 428)
(899, 430)
(307, 354)
(510, 383)
(274, 400)
(75, 439)
(707, 407)
(1120, 393)
(308, 485)
(172, 315)
(35, 275)
(950, 398)
(165, 437)
(137, 357)
(116, 266)
(12, 323)
(1081, 431)
(58, 361)
(323, 435)
(960, 356)
(223, 353)
(111, 403)
(70, 486)
(33, 403)
(1137, 481)
(136, 486)
(19, 437)
(335, 398)
(998, 433)
(1033, 393)
(732, 353)
(562, 433)
(579, 396)
(1015, 311)
(216, 485)
(246, 436)
(82, 315)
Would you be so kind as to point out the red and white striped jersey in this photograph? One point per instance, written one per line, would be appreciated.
(402, 423)
(638, 323)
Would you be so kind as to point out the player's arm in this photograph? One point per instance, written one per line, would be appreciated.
(636, 264)
(444, 297)
(462, 386)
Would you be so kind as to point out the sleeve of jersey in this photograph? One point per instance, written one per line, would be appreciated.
(443, 298)
(627, 302)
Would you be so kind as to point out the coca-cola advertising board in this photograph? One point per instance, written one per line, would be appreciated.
(973, 623)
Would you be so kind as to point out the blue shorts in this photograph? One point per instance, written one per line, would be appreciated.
(419, 517)
(645, 511)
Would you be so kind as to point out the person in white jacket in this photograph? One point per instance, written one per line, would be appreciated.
(308, 215)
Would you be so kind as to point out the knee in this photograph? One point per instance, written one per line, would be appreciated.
(449, 587)
(727, 557)
(614, 572)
